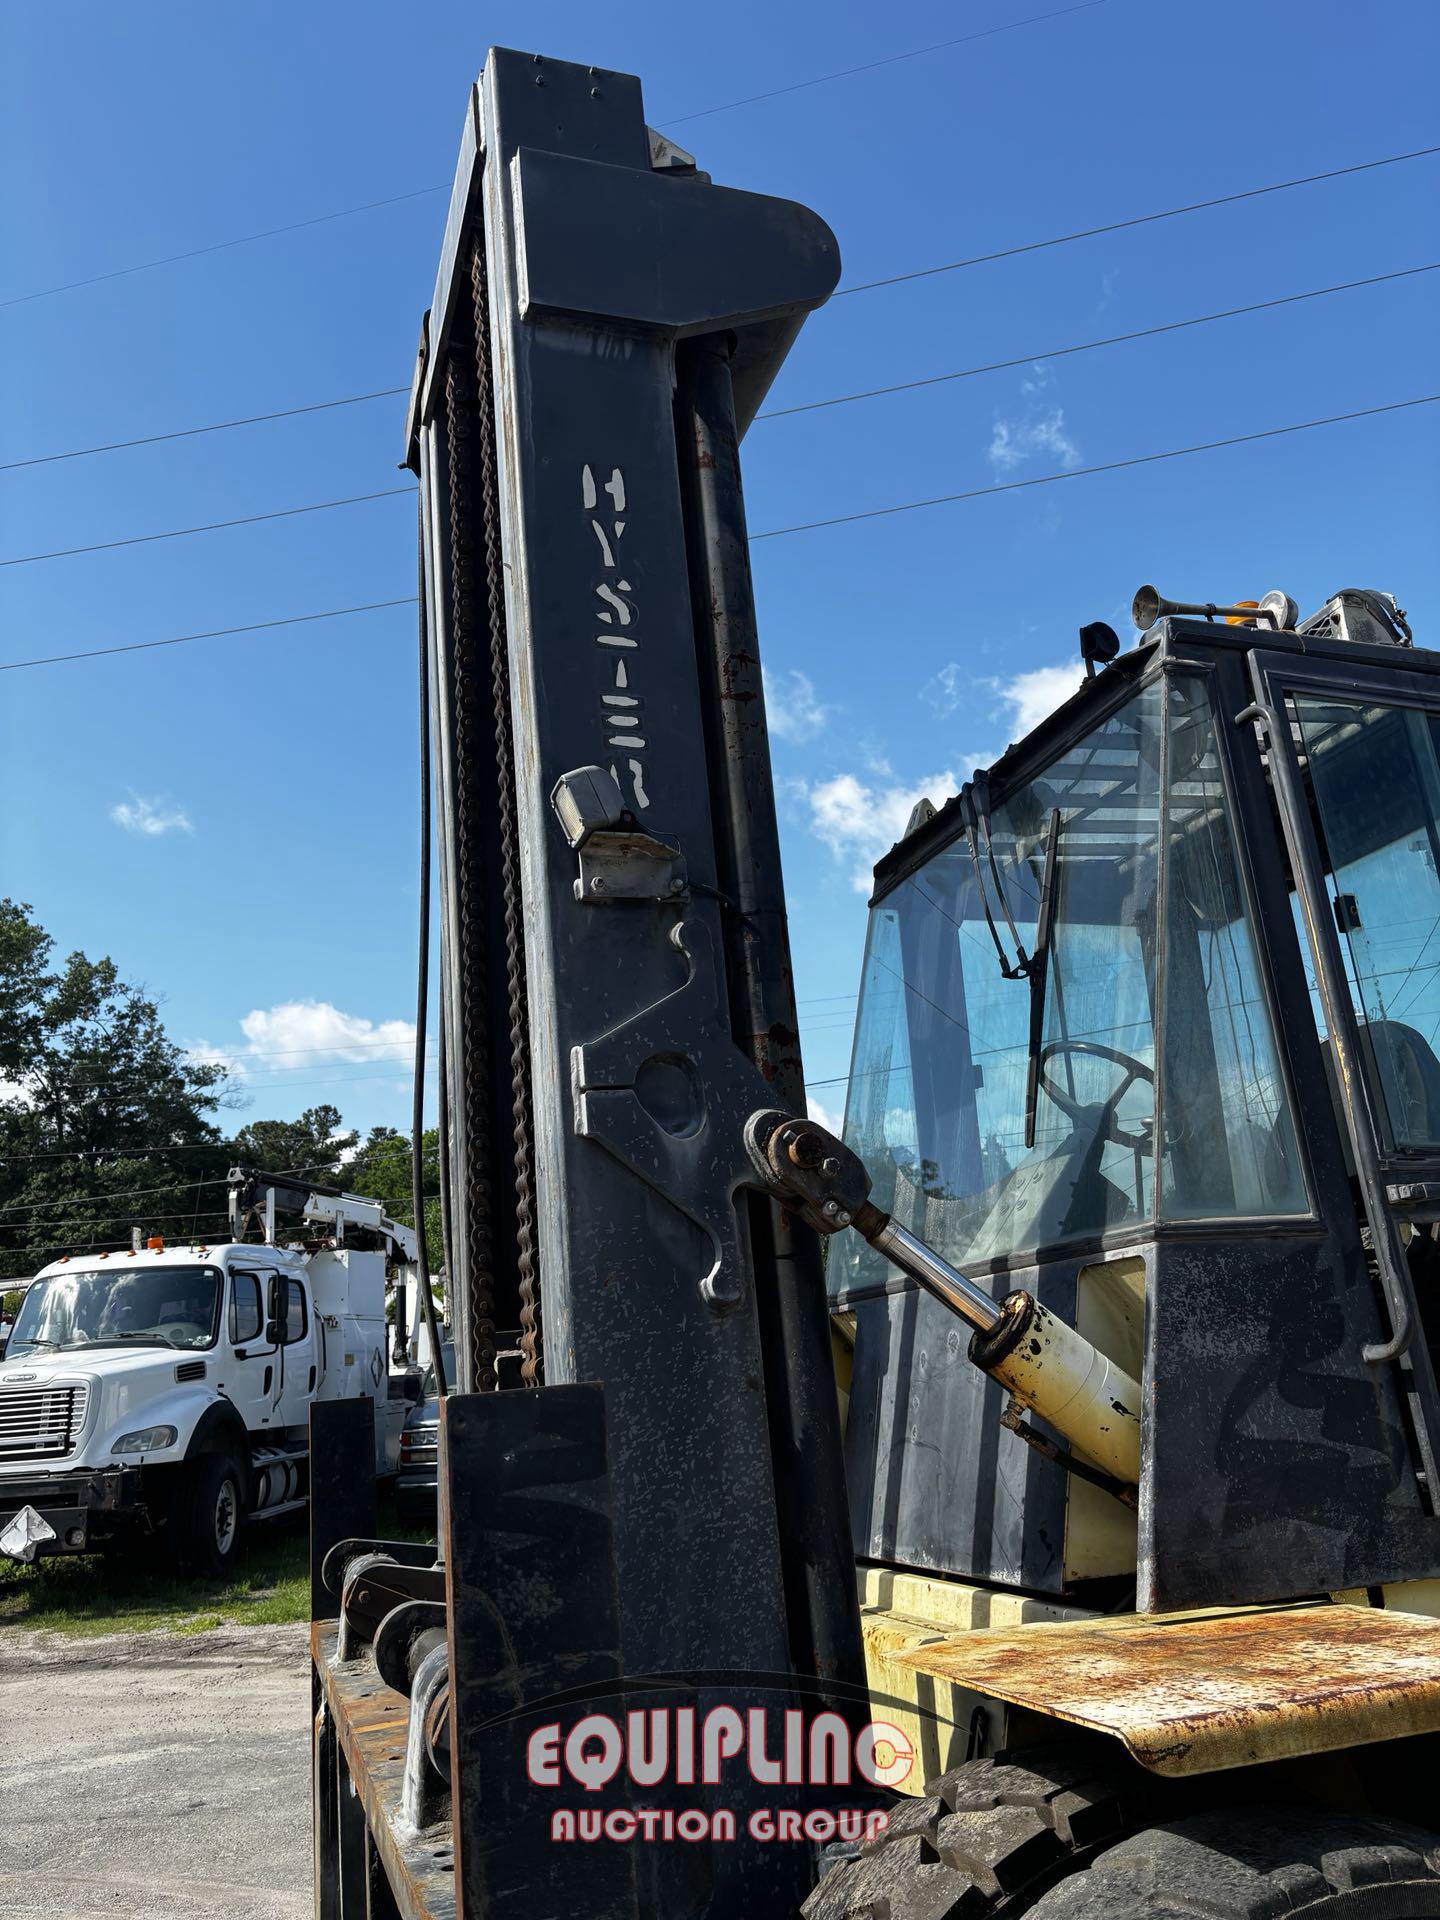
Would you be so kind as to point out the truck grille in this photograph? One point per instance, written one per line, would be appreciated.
(40, 1421)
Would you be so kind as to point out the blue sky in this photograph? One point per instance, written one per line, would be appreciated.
(234, 820)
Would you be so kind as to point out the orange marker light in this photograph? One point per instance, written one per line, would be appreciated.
(155, 1244)
(1233, 620)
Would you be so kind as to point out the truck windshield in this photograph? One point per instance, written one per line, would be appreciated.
(113, 1306)
(1375, 778)
(429, 1385)
(1007, 1109)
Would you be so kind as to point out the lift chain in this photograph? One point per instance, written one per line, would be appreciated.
(530, 1366)
(464, 627)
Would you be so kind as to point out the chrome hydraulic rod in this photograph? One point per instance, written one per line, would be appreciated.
(926, 1268)
(1044, 1362)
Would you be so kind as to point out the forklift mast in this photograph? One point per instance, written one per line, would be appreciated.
(664, 1493)
(616, 986)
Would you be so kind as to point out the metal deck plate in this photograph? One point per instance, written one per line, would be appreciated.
(1195, 1693)
(369, 1722)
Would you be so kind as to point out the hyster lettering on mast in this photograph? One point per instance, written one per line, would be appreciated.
(1133, 1249)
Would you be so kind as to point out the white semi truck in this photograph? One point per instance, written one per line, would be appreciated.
(165, 1393)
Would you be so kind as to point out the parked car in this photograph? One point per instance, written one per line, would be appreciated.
(415, 1488)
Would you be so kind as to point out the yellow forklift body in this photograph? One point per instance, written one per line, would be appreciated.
(1191, 1693)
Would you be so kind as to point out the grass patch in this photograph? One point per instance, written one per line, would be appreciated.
(89, 1594)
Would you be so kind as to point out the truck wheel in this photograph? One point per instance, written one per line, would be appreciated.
(206, 1514)
(989, 1837)
(1251, 1863)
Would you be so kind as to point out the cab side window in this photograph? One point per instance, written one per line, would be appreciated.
(246, 1316)
(296, 1322)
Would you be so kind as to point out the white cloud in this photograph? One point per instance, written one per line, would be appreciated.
(1037, 429)
(1013, 442)
(860, 820)
(1033, 696)
(15, 1093)
(943, 691)
(832, 1121)
(792, 707)
(151, 816)
(203, 1054)
(306, 1033)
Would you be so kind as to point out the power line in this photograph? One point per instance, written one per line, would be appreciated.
(1107, 466)
(112, 1087)
(1137, 220)
(773, 413)
(890, 60)
(191, 433)
(1090, 346)
(210, 526)
(773, 533)
(221, 246)
(74, 1200)
(211, 633)
(127, 1153)
(444, 186)
(119, 1153)
(107, 1086)
(139, 1193)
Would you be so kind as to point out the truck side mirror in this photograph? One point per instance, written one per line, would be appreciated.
(278, 1303)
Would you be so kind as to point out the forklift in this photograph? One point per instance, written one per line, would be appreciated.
(1026, 1503)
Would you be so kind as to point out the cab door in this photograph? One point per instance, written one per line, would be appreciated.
(250, 1372)
(1355, 762)
(297, 1357)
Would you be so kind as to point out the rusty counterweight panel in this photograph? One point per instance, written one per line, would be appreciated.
(370, 1722)
(1195, 1693)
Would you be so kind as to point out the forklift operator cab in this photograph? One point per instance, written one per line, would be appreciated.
(1026, 985)
(1147, 1025)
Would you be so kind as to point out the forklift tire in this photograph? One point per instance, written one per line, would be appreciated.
(990, 1837)
(206, 1512)
(1249, 1864)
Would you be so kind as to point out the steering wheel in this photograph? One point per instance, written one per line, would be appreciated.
(180, 1332)
(1072, 1108)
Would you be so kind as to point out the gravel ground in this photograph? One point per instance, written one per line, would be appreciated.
(157, 1776)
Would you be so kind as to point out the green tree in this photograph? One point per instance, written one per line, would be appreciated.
(105, 1123)
(315, 1145)
(380, 1169)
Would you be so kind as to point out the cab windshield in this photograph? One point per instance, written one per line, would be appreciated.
(1013, 1028)
(429, 1385)
(119, 1306)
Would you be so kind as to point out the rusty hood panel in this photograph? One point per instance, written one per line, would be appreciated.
(1195, 1693)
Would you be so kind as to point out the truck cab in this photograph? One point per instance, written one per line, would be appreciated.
(168, 1392)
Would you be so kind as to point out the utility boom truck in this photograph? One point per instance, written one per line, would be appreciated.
(1125, 1566)
(166, 1392)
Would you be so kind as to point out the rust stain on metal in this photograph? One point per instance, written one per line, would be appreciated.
(370, 1722)
(1196, 1693)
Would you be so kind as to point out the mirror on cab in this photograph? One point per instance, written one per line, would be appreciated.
(277, 1310)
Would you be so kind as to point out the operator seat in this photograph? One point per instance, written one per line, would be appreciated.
(1409, 1076)
(1048, 1198)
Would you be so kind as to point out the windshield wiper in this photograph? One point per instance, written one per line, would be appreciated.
(975, 812)
(1038, 969)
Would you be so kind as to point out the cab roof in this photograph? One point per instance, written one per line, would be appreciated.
(205, 1252)
(1108, 687)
